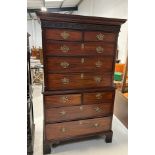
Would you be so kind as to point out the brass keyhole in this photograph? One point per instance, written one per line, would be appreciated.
(63, 129)
(82, 46)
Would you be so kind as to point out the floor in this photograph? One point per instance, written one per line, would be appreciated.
(91, 146)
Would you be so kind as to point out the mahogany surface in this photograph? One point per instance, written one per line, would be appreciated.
(77, 128)
(55, 81)
(62, 100)
(78, 48)
(80, 64)
(79, 55)
(78, 112)
(91, 36)
(54, 34)
(98, 97)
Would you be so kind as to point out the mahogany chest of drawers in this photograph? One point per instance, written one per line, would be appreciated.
(79, 59)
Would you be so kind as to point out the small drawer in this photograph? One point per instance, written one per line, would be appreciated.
(99, 48)
(63, 48)
(73, 129)
(79, 64)
(77, 112)
(98, 97)
(78, 81)
(63, 34)
(62, 100)
(99, 36)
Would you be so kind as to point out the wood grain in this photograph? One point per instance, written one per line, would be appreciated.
(57, 17)
(62, 100)
(92, 36)
(76, 48)
(55, 81)
(56, 34)
(69, 38)
(80, 64)
(77, 91)
(71, 129)
(77, 112)
(90, 47)
(98, 97)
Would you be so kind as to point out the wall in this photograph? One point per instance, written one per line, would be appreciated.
(102, 8)
(34, 29)
(111, 9)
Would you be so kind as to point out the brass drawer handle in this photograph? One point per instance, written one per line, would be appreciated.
(64, 48)
(97, 79)
(80, 122)
(63, 113)
(96, 125)
(100, 36)
(99, 49)
(82, 60)
(98, 96)
(81, 108)
(98, 64)
(63, 129)
(82, 46)
(65, 81)
(97, 109)
(82, 75)
(64, 64)
(65, 35)
(64, 99)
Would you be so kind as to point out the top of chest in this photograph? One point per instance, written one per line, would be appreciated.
(77, 22)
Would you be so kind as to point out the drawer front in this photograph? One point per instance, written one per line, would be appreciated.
(99, 48)
(81, 64)
(62, 48)
(99, 36)
(98, 97)
(69, 130)
(62, 100)
(91, 48)
(78, 80)
(62, 34)
(77, 112)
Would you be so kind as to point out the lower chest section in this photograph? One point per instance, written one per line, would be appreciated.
(77, 114)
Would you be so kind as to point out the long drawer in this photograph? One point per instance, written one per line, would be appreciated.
(79, 64)
(78, 80)
(73, 129)
(75, 48)
(77, 112)
(51, 101)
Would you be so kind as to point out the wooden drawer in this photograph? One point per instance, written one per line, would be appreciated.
(69, 130)
(98, 97)
(62, 100)
(80, 64)
(63, 34)
(91, 48)
(78, 80)
(99, 48)
(63, 48)
(77, 112)
(99, 36)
